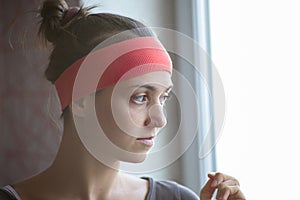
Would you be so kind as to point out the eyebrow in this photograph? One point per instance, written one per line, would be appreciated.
(151, 87)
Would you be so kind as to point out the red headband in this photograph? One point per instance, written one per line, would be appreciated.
(106, 66)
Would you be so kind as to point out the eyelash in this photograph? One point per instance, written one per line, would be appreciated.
(165, 98)
(135, 99)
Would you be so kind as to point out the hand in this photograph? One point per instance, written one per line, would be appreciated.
(227, 186)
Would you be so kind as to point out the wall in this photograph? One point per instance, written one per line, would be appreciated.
(28, 135)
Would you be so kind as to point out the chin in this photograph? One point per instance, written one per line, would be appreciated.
(136, 158)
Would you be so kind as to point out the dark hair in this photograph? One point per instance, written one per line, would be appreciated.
(73, 35)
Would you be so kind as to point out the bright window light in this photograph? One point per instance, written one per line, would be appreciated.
(255, 46)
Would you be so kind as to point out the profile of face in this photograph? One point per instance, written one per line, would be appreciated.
(131, 113)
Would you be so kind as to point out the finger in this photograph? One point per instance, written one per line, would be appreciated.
(207, 191)
(223, 194)
(230, 192)
(224, 189)
(211, 176)
(228, 183)
(220, 178)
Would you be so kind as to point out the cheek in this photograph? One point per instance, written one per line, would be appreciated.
(128, 120)
(116, 117)
(138, 115)
(104, 116)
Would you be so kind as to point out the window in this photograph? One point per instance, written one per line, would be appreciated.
(255, 48)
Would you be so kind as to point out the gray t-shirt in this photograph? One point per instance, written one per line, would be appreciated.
(169, 190)
(158, 190)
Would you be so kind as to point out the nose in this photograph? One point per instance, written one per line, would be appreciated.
(156, 117)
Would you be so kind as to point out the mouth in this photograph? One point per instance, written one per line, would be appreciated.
(148, 141)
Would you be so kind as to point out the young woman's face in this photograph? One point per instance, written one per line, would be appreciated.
(131, 112)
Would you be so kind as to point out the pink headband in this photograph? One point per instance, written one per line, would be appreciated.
(106, 66)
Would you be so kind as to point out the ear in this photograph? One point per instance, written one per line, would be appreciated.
(81, 107)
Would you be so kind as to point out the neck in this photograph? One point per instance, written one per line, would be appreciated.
(75, 172)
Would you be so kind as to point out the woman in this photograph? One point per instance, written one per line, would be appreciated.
(109, 68)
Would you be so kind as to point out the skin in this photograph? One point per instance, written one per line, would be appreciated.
(133, 110)
(137, 111)
(227, 187)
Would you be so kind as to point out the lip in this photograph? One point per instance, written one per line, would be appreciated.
(148, 141)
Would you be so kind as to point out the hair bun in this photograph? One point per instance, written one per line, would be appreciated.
(52, 13)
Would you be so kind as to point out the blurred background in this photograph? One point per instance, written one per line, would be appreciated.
(29, 130)
(254, 46)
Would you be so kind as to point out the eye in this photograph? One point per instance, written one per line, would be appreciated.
(139, 99)
(164, 98)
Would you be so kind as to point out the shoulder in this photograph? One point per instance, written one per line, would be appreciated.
(179, 191)
(169, 190)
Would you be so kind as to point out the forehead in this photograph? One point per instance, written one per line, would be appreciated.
(158, 78)
(161, 80)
